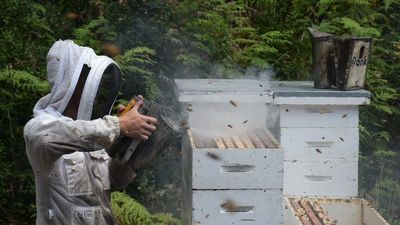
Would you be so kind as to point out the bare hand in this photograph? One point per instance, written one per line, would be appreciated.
(133, 124)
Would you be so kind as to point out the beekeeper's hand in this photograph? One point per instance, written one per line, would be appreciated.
(133, 124)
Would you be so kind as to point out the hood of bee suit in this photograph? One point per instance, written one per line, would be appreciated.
(65, 61)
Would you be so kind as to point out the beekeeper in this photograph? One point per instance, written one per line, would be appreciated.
(68, 138)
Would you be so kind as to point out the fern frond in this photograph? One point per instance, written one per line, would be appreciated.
(128, 211)
(16, 85)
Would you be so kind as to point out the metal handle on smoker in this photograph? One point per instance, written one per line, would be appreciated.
(130, 151)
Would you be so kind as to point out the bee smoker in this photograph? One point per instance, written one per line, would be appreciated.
(137, 153)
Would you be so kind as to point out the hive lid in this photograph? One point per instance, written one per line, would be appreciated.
(304, 93)
(223, 90)
(255, 91)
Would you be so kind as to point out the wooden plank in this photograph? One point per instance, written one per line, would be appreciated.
(306, 205)
(300, 212)
(246, 141)
(321, 213)
(265, 140)
(199, 142)
(239, 144)
(228, 143)
(257, 142)
(190, 135)
(272, 138)
(210, 143)
(220, 143)
(371, 216)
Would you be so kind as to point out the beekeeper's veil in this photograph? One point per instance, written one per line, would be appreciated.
(66, 63)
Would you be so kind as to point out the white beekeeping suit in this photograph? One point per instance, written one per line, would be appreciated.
(73, 172)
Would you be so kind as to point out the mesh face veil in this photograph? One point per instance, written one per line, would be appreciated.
(66, 63)
(109, 86)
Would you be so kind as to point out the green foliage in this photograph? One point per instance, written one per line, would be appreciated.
(17, 86)
(139, 78)
(380, 121)
(347, 27)
(219, 32)
(159, 40)
(127, 211)
(24, 34)
(19, 90)
(95, 34)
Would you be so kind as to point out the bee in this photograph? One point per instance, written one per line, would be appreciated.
(318, 150)
(213, 156)
(229, 205)
(72, 16)
(245, 121)
(230, 126)
(233, 103)
(184, 125)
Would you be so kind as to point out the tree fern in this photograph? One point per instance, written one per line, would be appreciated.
(95, 34)
(18, 86)
(346, 26)
(139, 79)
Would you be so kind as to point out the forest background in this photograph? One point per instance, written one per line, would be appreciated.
(159, 40)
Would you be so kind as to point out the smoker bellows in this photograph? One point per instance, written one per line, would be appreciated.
(254, 150)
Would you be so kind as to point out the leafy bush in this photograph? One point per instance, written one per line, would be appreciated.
(127, 211)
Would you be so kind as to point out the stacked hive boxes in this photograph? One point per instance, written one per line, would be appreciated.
(234, 176)
(321, 150)
(233, 185)
(319, 131)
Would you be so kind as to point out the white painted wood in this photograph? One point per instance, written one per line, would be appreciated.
(237, 169)
(371, 216)
(354, 211)
(262, 97)
(309, 144)
(223, 90)
(344, 211)
(326, 178)
(318, 116)
(225, 119)
(321, 100)
(253, 207)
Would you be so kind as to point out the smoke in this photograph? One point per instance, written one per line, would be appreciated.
(223, 119)
(235, 114)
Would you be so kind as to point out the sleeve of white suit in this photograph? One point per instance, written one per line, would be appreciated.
(66, 135)
(57, 136)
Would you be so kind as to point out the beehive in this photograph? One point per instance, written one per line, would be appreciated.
(310, 149)
(233, 180)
